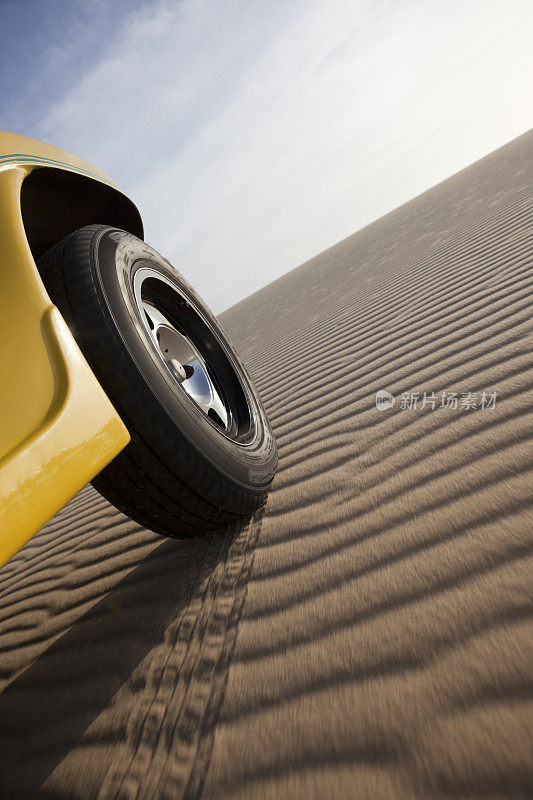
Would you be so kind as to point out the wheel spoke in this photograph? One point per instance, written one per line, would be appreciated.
(156, 317)
(185, 363)
(218, 406)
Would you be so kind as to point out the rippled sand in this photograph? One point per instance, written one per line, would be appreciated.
(368, 634)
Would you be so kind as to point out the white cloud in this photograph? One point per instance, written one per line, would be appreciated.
(253, 135)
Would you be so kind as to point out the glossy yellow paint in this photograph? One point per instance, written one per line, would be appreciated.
(57, 427)
(15, 149)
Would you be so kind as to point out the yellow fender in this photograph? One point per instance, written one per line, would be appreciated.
(58, 429)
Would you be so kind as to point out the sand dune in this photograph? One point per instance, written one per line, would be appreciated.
(368, 634)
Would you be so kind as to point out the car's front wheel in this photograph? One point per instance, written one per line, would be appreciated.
(202, 452)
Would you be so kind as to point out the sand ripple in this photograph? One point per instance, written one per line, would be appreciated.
(368, 634)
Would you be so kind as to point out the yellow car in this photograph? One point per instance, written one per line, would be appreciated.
(112, 368)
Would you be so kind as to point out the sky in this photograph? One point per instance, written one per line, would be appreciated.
(253, 134)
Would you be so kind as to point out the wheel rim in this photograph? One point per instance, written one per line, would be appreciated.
(192, 353)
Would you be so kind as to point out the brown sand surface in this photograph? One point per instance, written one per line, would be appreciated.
(368, 634)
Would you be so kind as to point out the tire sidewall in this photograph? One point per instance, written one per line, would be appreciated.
(116, 255)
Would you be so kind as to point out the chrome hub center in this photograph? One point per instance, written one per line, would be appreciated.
(186, 365)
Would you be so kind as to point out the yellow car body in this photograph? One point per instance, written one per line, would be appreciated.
(58, 429)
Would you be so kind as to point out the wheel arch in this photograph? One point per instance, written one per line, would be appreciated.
(55, 202)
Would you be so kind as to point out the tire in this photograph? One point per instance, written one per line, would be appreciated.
(202, 453)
